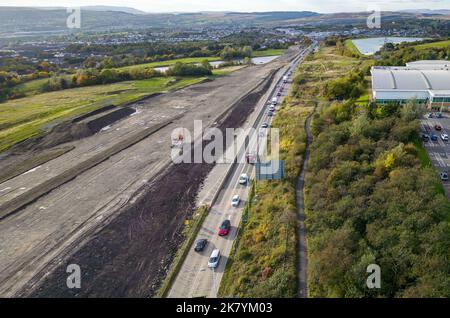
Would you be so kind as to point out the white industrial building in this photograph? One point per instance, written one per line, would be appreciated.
(426, 81)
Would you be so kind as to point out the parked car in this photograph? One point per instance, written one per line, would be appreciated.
(430, 115)
(425, 137)
(444, 137)
(243, 179)
(444, 176)
(224, 228)
(439, 115)
(434, 137)
(438, 127)
(214, 259)
(200, 245)
(235, 200)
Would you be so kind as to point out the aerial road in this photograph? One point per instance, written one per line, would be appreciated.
(195, 278)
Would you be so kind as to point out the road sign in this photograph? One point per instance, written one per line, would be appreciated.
(272, 170)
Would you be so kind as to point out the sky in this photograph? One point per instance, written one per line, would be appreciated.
(322, 6)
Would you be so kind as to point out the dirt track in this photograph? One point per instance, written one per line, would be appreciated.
(122, 241)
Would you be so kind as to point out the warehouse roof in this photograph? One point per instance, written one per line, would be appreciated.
(405, 78)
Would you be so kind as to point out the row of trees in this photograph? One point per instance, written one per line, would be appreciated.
(370, 201)
(233, 53)
(350, 86)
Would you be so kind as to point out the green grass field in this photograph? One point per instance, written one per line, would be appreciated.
(438, 44)
(271, 52)
(349, 45)
(26, 117)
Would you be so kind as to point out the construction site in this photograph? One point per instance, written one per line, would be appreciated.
(101, 190)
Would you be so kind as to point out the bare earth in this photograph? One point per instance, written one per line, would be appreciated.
(83, 219)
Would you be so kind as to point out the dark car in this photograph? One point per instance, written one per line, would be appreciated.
(444, 176)
(434, 137)
(439, 115)
(279, 94)
(425, 137)
(224, 229)
(270, 114)
(438, 127)
(200, 245)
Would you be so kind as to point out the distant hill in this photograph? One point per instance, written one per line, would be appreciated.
(428, 11)
(17, 19)
(114, 9)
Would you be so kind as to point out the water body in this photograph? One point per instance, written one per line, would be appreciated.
(215, 64)
(371, 45)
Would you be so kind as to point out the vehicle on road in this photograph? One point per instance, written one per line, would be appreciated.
(235, 201)
(265, 125)
(272, 108)
(270, 114)
(224, 228)
(425, 137)
(250, 158)
(285, 79)
(444, 176)
(434, 137)
(274, 101)
(243, 179)
(279, 94)
(438, 127)
(214, 258)
(444, 137)
(200, 245)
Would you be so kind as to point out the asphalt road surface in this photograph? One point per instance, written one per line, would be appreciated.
(439, 150)
(195, 279)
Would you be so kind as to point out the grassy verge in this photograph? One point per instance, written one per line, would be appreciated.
(270, 52)
(439, 44)
(26, 117)
(190, 232)
(349, 45)
(262, 264)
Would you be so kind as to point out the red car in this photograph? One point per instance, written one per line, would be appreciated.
(224, 229)
(438, 127)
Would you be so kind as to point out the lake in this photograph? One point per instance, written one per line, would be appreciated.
(372, 45)
(215, 64)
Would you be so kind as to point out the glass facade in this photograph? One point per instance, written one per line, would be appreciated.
(441, 99)
(400, 101)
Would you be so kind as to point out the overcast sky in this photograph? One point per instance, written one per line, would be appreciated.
(243, 5)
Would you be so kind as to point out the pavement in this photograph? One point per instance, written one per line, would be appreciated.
(45, 230)
(195, 279)
(438, 151)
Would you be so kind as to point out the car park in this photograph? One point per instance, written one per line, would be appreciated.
(200, 245)
(224, 228)
(235, 201)
(243, 179)
(214, 259)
